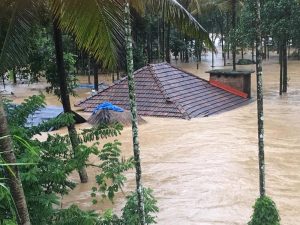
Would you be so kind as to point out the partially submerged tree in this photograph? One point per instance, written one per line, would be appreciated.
(265, 211)
(281, 22)
(64, 94)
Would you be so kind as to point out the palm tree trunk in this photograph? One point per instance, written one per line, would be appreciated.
(233, 11)
(133, 110)
(260, 110)
(14, 181)
(65, 98)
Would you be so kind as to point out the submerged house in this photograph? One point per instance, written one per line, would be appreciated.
(163, 90)
(47, 113)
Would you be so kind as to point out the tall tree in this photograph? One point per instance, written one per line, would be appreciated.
(133, 109)
(265, 211)
(260, 109)
(12, 174)
(64, 95)
(281, 22)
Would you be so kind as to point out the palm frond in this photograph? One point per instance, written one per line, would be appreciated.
(200, 7)
(226, 5)
(97, 26)
(138, 5)
(14, 51)
(182, 19)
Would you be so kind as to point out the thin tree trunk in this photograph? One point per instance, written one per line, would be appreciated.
(260, 110)
(285, 77)
(14, 76)
(163, 34)
(197, 44)
(149, 44)
(233, 11)
(242, 53)
(212, 52)
(118, 73)
(96, 78)
(3, 80)
(133, 110)
(14, 181)
(168, 54)
(158, 39)
(200, 50)
(222, 42)
(181, 56)
(186, 51)
(281, 67)
(65, 98)
(227, 33)
(265, 48)
(252, 52)
(89, 69)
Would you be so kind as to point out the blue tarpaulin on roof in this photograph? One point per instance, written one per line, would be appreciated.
(108, 106)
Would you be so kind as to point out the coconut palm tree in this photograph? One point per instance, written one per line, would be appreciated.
(64, 95)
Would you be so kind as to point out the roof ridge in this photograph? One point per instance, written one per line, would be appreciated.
(104, 89)
(77, 104)
(184, 71)
(164, 92)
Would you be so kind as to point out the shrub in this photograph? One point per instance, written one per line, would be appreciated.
(265, 212)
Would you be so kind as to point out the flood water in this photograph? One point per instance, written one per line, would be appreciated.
(205, 171)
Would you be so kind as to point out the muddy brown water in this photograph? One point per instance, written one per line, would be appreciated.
(205, 171)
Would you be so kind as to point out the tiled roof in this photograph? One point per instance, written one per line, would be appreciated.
(165, 91)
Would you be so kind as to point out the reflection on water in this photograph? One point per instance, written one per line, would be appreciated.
(205, 171)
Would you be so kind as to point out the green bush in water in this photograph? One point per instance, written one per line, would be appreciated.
(265, 212)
